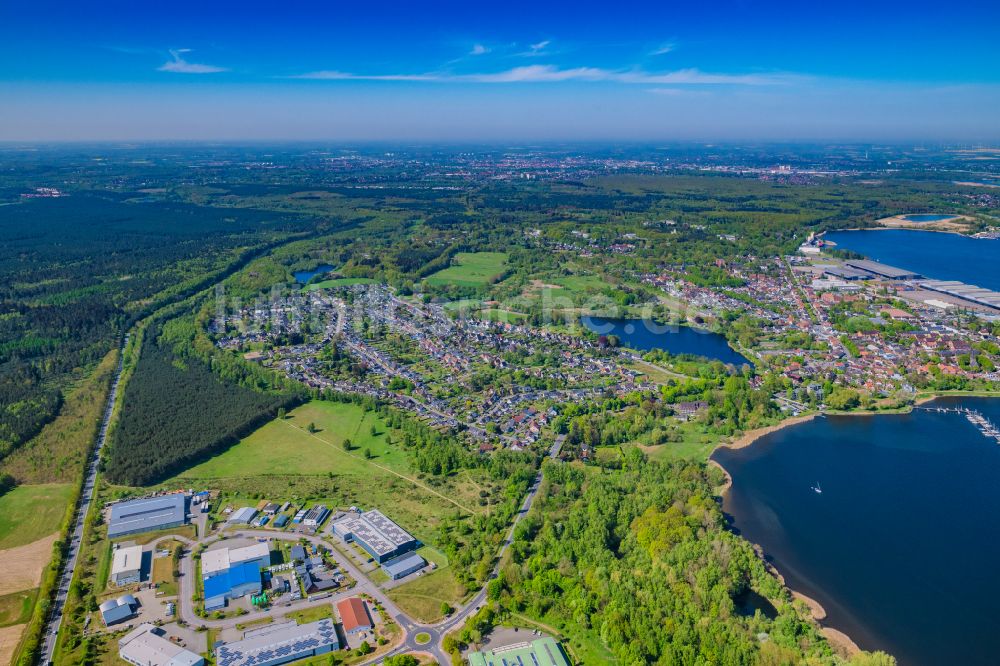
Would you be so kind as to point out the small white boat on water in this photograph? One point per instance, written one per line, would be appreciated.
(816, 489)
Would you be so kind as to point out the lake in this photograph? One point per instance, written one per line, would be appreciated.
(902, 545)
(303, 277)
(935, 255)
(644, 335)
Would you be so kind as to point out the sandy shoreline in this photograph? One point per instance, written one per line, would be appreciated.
(841, 642)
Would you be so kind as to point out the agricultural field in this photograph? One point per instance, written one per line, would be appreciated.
(471, 269)
(30, 513)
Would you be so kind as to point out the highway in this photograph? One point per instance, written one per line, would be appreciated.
(54, 621)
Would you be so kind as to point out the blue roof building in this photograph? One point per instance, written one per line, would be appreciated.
(239, 580)
(404, 565)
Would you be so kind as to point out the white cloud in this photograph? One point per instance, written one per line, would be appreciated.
(478, 49)
(555, 74)
(536, 49)
(334, 75)
(663, 49)
(179, 65)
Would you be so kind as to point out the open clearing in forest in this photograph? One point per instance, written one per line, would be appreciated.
(471, 269)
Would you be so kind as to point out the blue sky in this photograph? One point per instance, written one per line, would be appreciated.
(469, 71)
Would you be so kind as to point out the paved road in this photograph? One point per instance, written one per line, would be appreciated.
(439, 630)
(54, 621)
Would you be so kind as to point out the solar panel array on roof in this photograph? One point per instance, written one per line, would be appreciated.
(377, 534)
(279, 644)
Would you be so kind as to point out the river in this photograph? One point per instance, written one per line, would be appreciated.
(902, 545)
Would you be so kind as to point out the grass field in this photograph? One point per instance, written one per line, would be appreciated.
(15, 608)
(283, 461)
(422, 597)
(471, 269)
(29, 513)
(337, 282)
(285, 446)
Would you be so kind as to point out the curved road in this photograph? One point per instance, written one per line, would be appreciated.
(54, 620)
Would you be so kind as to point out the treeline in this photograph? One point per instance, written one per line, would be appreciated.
(178, 411)
(640, 561)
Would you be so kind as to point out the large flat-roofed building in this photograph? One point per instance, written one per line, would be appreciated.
(230, 573)
(404, 565)
(847, 273)
(541, 652)
(217, 561)
(146, 646)
(882, 270)
(279, 644)
(144, 515)
(242, 515)
(379, 536)
(126, 565)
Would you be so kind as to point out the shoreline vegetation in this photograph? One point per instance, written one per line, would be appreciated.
(839, 639)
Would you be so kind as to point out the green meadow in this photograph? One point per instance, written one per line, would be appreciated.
(471, 269)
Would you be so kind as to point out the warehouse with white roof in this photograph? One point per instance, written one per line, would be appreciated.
(145, 646)
(126, 565)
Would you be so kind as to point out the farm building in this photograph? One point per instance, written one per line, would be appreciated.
(126, 565)
(541, 652)
(281, 521)
(354, 615)
(403, 566)
(144, 515)
(379, 536)
(279, 644)
(117, 610)
(230, 573)
(146, 646)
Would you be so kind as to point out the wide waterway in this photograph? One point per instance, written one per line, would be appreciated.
(644, 335)
(902, 546)
(940, 256)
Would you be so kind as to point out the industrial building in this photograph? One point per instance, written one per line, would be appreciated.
(230, 573)
(354, 616)
(315, 516)
(403, 566)
(379, 536)
(847, 273)
(966, 292)
(279, 644)
(242, 515)
(144, 515)
(126, 565)
(118, 610)
(882, 270)
(541, 652)
(146, 646)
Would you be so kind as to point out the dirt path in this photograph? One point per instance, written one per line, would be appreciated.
(23, 565)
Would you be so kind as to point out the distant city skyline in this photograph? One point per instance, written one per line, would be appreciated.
(853, 71)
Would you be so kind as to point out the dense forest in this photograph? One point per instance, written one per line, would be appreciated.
(75, 271)
(641, 561)
(177, 410)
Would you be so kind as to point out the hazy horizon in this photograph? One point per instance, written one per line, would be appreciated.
(563, 72)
